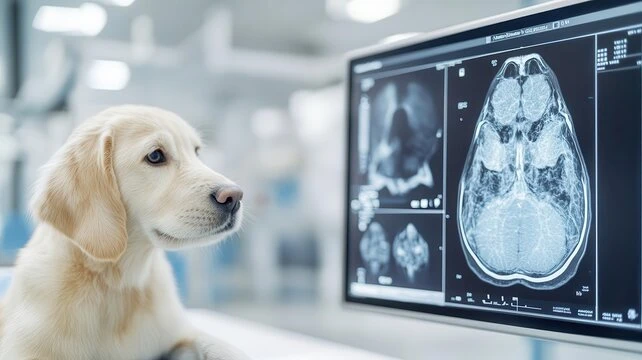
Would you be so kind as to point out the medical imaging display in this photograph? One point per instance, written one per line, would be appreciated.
(410, 251)
(400, 130)
(521, 181)
(524, 194)
(404, 133)
(401, 252)
(375, 249)
(499, 178)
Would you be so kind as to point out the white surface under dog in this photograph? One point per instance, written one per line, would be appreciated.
(262, 342)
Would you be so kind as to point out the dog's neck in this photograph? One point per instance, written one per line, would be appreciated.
(132, 270)
(137, 261)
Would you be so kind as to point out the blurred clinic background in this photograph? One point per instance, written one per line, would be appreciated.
(263, 81)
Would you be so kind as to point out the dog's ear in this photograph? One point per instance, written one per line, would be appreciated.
(79, 195)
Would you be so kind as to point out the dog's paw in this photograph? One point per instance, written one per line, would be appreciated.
(204, 348)
(184, 351)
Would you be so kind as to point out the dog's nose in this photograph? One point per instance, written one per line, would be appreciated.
(229, 197)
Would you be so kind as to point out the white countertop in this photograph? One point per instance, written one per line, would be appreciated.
(262, 342)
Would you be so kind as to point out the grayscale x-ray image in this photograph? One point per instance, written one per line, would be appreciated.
(524, 195)
(375, 249)
(405, 133)
(410, 250)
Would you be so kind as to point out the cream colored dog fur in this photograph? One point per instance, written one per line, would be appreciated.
(93, 281)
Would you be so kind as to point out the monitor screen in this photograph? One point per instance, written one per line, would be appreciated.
(495, 174)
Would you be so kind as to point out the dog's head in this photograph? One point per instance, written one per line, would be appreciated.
(135, 168)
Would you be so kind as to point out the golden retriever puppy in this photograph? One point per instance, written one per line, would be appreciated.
(93, 282)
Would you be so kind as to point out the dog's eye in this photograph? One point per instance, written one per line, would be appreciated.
(155, 157)
(197, 150)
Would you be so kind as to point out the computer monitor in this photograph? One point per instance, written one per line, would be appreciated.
(494, 174)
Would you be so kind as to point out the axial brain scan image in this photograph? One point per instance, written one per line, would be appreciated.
(406, 131)
(375, 249)
(524, 195)
(410, 250)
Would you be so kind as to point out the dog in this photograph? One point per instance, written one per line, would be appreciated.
(93, 282)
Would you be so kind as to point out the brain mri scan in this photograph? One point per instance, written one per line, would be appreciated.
(405, 134)
(524, 198)
(410, 250)
(375, 249)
